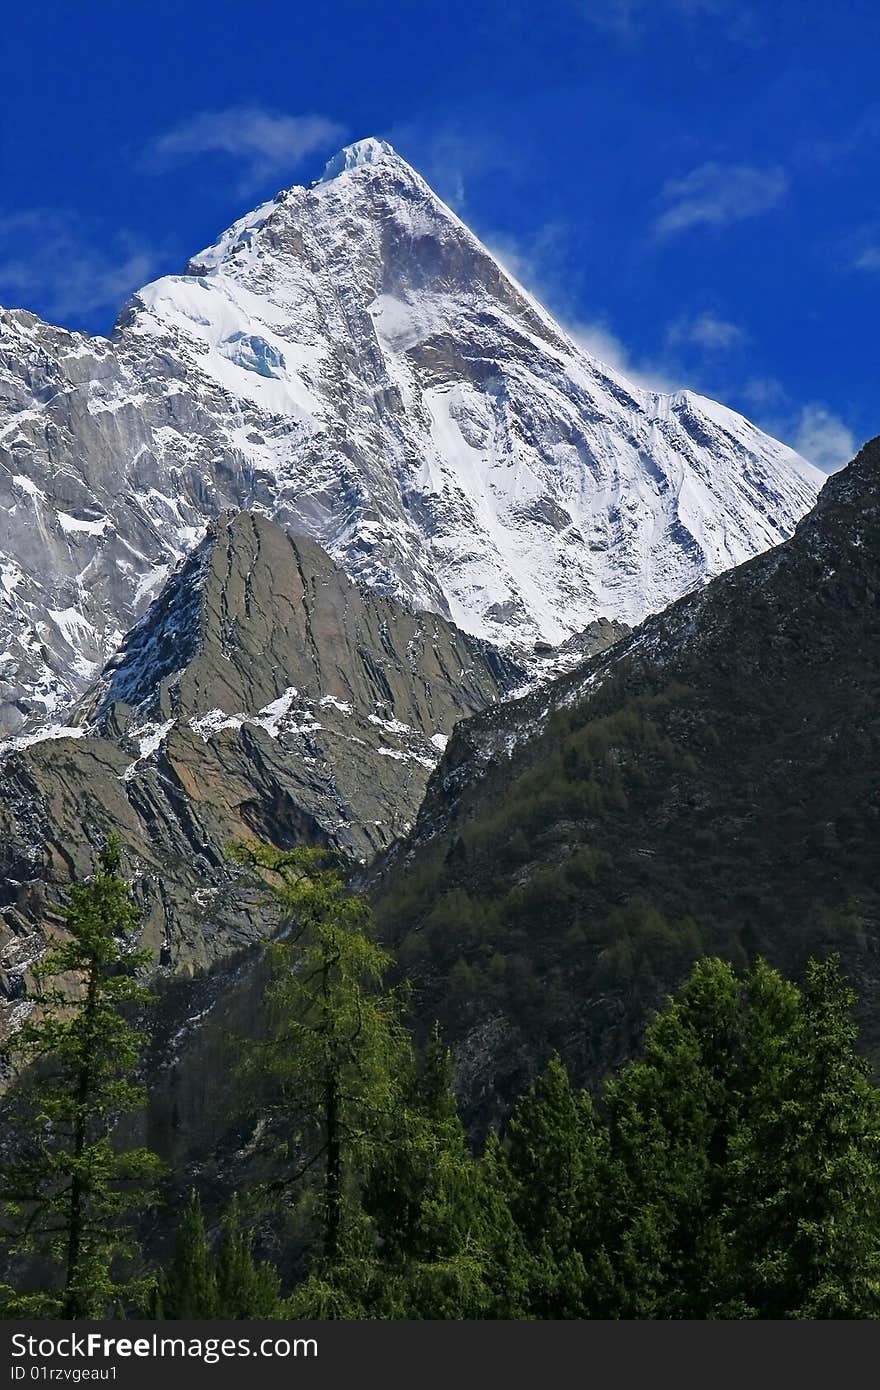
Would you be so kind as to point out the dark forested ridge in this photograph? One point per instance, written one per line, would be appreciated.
(708, 786)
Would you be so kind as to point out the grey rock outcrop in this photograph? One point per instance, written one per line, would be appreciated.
(262, 695)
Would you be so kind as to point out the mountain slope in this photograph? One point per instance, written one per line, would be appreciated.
(261, 695)
(708, 785)
(350, 360)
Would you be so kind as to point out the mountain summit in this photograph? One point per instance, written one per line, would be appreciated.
(350, 360)
(368, 151)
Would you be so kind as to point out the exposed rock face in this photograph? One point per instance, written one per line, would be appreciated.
(262, 694)
(349, 359)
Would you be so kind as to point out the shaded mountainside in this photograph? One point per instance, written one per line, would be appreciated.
(711, 784)
(263, 694)
(349, 359)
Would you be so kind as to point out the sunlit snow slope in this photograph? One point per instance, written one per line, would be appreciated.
(351, 360)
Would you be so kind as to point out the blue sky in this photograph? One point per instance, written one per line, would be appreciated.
(690, 185)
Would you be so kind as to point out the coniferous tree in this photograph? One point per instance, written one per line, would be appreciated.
(671, 1113)
(554, 1156)
(805, 1165)
(744, 1179)
(246, 1287)
(405, 1191)
(187, 1287)
(337, 1048)
(507, 1263)
(424, 1196)
(201, 1282)
(72, 1194)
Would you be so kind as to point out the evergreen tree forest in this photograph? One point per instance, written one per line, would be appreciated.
(730, 1170)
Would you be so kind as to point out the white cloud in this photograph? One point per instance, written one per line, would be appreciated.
(716, 195)
(861, 251)
(538, 263)
(868, 258)
(543, 266)
(629, 19)
(823, 438)
(452, 157)
(51, 261)
(601, 342)
(706, 331)
(812, 429)
(266, 144)
(835, 153)
(547, 263)
(763, 391)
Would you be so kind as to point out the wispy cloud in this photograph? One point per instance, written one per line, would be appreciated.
(629, 19)
(764, 392)
(861, 250)
(453, 157)
(543, 265)
(814, 430)
(539, 260)
(869, 258)
(822, 437)
(265, 144)
(51, 263)
(706, 331)
(599, 340)
(717, 195)
(547, 266)
(837, 152)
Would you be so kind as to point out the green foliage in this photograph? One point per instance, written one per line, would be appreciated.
(743, 1173)
(805, 1199)
(337, 1046)
(554, 1168)
(69, 1191)
(246, 1287)
(438, 1230)
(199, 1282)
(187, 1288)
(670, 1116)
(730, 1170)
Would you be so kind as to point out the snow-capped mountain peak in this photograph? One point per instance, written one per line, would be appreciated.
(368, 151)
(349, 359)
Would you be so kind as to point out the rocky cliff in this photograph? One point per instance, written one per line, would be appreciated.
(262, 694)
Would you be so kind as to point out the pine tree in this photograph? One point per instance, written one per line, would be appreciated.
(670, 1114)
(72, 1194)
(507, 1264)
(404, 1192)
(744, 1177)
(187, 1287)
(200, 1282)
(805, 1204)
(554, 1157)
(245, 1287)
(423, 1194)
(337, 1047)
